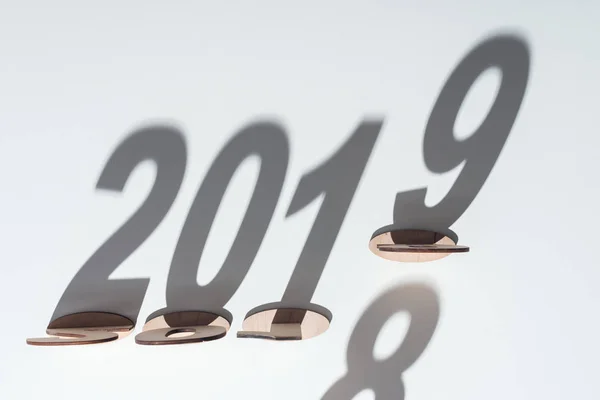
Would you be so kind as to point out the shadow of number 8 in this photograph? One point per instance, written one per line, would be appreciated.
(384, 377)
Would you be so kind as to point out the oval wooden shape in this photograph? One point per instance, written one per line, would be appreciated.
(84, 328)
(284, 324)
(167, 328)
(167, 335)
(422, 248)
(187, 318)
(413, 245)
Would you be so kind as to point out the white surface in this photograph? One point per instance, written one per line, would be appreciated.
(518, 314)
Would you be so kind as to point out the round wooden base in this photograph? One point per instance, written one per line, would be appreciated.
(84, 328)
(183, 327)
(284, 324)
(414, 245)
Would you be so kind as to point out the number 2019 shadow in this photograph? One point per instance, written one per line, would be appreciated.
(336, 180)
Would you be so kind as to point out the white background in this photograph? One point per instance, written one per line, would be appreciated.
(519, 313)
